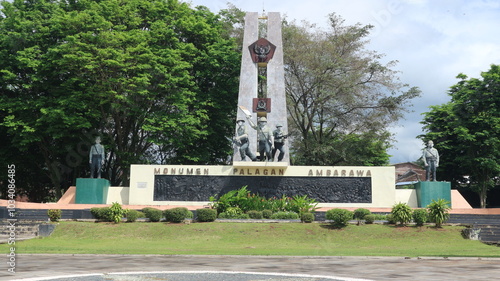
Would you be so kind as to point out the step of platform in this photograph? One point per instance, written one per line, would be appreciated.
(489, 234)
(19, 229)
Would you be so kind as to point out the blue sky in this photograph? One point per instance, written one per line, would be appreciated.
(433, 41)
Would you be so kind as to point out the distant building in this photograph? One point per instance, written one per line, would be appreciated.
(407, 173)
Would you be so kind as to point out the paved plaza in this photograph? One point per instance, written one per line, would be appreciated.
(207, 268)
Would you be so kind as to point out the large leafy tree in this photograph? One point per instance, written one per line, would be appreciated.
(467, 132)
(341, 98)
(156, 79)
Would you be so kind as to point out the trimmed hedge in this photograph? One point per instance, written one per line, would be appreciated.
(177, 215)
(206, 215)
(267, 214)
(102, 214)
(255, 214)
(307, 217)
(154, 215)
(285, 216)
(340, 217)
(133, 215)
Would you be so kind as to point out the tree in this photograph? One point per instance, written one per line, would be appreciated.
(156, 79)
(466, 130)
(339, 94)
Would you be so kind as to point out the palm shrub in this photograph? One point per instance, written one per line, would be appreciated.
(176, 215)
(206, 215)
(340, 217)
(438, 211)
(154, 215)
(233, 198)
(401, 213)
(302, 204)
(360, 214)
(420, 216)
(116, 212)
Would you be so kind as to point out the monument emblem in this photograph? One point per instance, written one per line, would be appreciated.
(262, 51)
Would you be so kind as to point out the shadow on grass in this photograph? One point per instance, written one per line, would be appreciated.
(333, 226)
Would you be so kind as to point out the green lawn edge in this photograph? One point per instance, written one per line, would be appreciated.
(270, 239)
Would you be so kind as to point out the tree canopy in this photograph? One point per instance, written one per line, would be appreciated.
(341, 98)
(156, 79)
(466, 132)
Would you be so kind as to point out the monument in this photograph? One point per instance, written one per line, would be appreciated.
(430, 189)
(93, 190)
(261, 159)
(265, 98)
(260, 133)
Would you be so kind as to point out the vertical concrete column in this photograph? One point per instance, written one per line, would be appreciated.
(276, 79)
(248, 80)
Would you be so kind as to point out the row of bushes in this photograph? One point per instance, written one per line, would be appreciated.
(179, 214)
(174, 215)
(402, 213)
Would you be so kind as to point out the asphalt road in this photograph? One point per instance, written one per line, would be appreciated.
(207, 268)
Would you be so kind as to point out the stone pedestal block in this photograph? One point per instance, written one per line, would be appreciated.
(91, 191)
(432, 190)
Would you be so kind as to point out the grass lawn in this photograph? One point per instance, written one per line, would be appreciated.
(217, 238)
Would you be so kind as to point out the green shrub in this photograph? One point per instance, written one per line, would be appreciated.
(302, 204)
(206, 215)
(360, 214)
(340, 217)
(116, 212)
(232, 215)
(390, 219)
(102, 214)
(177, 215)
(154, 215)
(54, 214)
(370, 219)
(420, 216)
(307, 217)
(267, 214)
(255, 214)
(401, 213)
(438, 211)
(285, 216)
(133, 215)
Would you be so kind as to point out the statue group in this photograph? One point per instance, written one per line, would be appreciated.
(269, 142)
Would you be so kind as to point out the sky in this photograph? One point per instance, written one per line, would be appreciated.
(433, 41)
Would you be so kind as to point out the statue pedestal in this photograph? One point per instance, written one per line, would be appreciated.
(91, 191)
(432, 190)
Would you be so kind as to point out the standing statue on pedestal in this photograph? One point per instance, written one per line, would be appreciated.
(96, 159)
(241, 140)
(279, 142)
(431, 161)
(264, 137)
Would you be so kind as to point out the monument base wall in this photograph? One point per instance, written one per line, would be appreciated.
(346, 186)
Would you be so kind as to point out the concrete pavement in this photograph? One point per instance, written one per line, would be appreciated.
(43, 266)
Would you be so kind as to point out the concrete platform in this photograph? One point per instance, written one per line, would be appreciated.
(64, 205)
